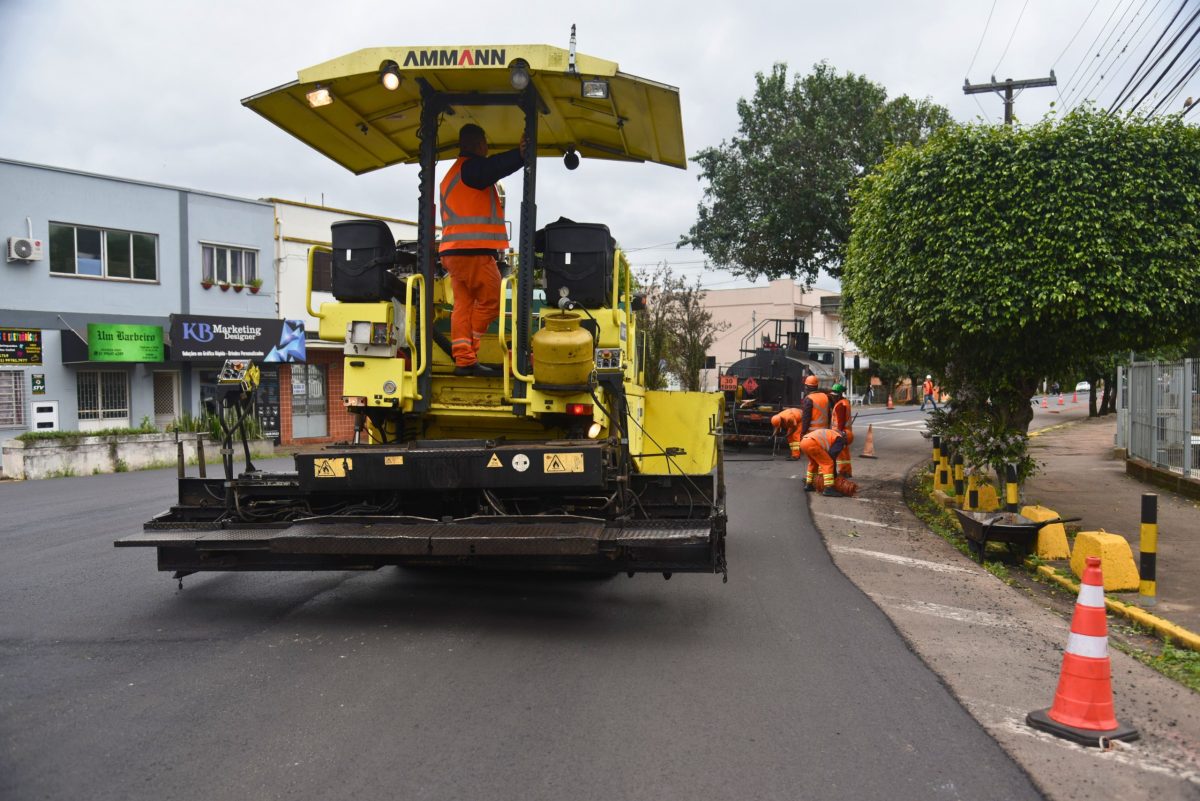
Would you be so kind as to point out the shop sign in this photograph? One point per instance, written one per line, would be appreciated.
(20, 346)
(208, 338)
(39, 383)
(124, 343)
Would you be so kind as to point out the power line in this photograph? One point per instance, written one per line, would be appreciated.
(1177, 55)
(1010, 37)
(1122, 96)
(982, 36)
(1133, 46)
(1072, 41)
(1103, 65)
(1173, 92)
(1103, 28)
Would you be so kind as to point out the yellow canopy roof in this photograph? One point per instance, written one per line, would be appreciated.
(367, 127)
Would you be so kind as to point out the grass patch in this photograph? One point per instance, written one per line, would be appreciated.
(1180, 664)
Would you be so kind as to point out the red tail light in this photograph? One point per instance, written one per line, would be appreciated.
(579, 409)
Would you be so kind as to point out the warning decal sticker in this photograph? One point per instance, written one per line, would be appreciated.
(332, 468)
(390, 460)
(494, 461)
(562, 463)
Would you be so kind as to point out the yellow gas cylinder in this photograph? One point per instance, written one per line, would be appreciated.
(562, 353)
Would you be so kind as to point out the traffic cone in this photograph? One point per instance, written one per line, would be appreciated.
(890, 404)
(1075, 396)
(1083, 703)
(1060, 400)
(868, 451)
(1045, 405)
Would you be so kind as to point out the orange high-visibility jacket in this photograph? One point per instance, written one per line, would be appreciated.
(788, 420)
(471, 218)
(830, 441)
(841, 415)
(928, 387)
(815, 407)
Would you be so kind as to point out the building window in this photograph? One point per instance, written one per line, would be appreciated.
(103, 253)
(226, 265)
(12, 399)
(103, 395)
(322, 272)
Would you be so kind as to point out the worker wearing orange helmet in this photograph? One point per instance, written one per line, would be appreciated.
(843, 423)
(788, 422)
(814, 408)
(822, 446)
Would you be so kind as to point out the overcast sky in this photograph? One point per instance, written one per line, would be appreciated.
(150, 89)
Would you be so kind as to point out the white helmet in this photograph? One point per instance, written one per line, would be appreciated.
(928, 378)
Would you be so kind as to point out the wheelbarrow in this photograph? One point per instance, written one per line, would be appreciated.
(1017, 531)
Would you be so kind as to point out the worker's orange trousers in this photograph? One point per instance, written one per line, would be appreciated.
(818, 458)
(475, 281)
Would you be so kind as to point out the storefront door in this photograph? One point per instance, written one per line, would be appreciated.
(309, 405)
(166, 398)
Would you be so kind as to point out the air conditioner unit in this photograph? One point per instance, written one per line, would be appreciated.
(23, 248)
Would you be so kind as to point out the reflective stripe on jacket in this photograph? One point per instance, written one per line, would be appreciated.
(816, 411)
(471, 218)
(830, 441)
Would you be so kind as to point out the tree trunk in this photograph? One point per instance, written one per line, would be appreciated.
(1094, 380)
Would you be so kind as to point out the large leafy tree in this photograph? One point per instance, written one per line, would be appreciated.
(677, 327)
(777, 200)
(998, 255)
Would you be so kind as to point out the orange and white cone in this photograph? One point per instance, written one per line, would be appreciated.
(890, 404)
(1045, 404)
(1083, 703)
(868, 451)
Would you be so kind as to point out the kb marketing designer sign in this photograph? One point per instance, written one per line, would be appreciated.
(197, 338)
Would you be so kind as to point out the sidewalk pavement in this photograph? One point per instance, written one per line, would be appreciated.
(998, 649)
(1078, 477)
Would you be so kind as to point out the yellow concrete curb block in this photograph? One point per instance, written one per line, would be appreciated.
(1051, 539)
(1165, 628)
(1120, 573)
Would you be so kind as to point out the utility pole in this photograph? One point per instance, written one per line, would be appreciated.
(1007, 86)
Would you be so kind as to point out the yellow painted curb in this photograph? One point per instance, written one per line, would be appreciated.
(1165, 628)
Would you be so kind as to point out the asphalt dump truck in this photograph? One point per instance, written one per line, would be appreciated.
(561, 460)
(776, 358)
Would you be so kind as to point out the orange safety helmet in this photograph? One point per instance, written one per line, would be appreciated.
(811, 381)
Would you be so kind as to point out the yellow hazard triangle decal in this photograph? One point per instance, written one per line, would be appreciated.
(494, 461)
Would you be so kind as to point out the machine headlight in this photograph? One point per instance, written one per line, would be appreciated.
(595, 89)
(319, 97)
(359, 332)
(518, 74)
(389, 76)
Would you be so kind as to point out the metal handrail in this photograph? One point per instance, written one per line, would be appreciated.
(510, 363)
(308, 287)
(415, 370)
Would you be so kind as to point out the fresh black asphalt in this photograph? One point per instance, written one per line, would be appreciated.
(785, 683)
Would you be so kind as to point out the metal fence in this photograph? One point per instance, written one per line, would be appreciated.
(1158, 414)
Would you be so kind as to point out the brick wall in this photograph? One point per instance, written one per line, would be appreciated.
(339, 422)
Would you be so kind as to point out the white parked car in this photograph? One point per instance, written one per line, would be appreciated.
(1083, 386)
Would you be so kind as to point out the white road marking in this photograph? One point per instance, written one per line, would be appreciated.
(860, 522)
(971, 616)
(936, 567)
(1121, 752)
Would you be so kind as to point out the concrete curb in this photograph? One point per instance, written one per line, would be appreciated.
(1164, 628)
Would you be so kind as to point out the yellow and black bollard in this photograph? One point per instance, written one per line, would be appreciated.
(959, 491)
(937, 451)
(1148, 548)
(972, 493)
(1012, 494)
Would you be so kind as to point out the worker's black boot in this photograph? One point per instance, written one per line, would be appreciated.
(830, 492)
(810, 488)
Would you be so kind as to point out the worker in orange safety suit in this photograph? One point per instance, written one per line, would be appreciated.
(788, 422)
(821, 447)
(473, 234)
(815, 407)
(842, 422)
(928, 394)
